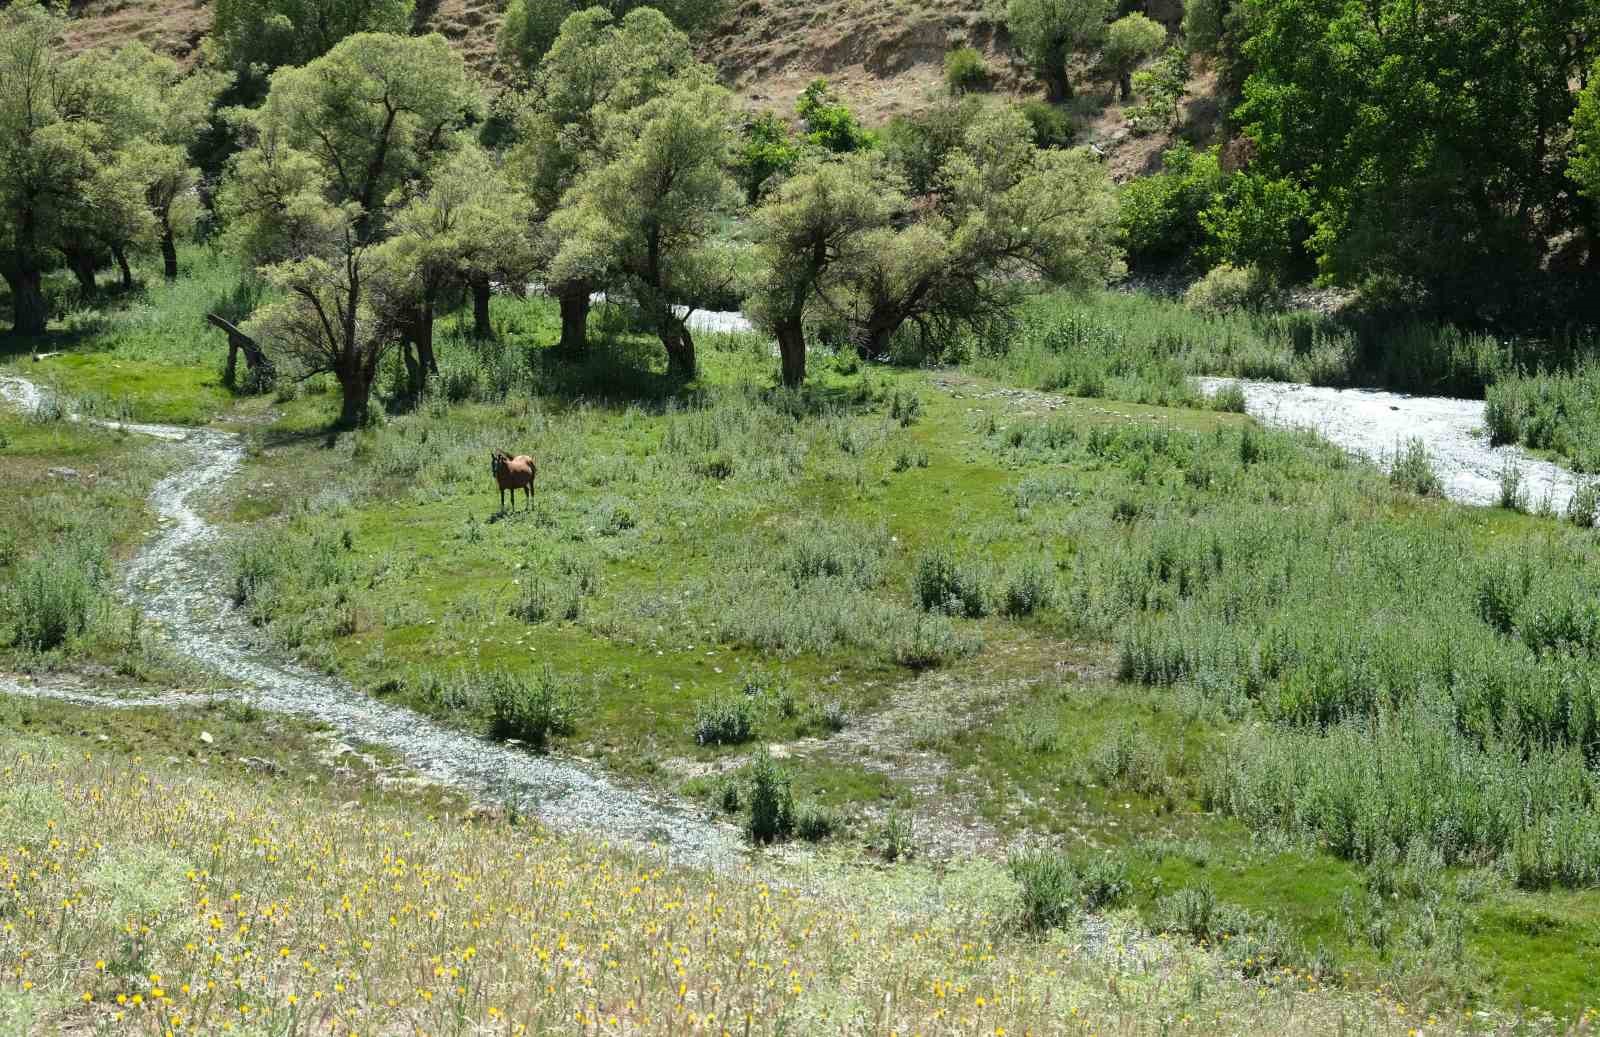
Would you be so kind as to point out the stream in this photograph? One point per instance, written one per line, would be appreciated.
(1373, 424)
(173, 579)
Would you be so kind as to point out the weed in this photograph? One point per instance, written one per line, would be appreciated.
(1029, 588)
(1049, 888)
(1513, 494)
(943, 585)
(1413, 472)
(897, 837)
(1584, 507)
(54, 594)
(814, 822)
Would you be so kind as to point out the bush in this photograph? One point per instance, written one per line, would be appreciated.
(964, 70)
(1229, 399)
(897, 836)
(255, 566)
(1051, 126)
(771, 802)
(1230, 289)
(814, 822)
(1049, 888)
(1513, 494)
(1584, 507)
(1103, 883)
(905, 406)
(1413, 470)
(530, 711)
(726, 720)
(1029, 587)
(944, 586)
(1160, 214)
(54, 593)
(539, 601)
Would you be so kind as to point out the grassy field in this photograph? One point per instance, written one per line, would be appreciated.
(1243, 690)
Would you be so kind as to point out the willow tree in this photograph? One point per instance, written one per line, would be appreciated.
(463, 223)
(810, 233)
(54, 124)
(306, 199)
(652, 207)
(1004, 214)
(598, 66)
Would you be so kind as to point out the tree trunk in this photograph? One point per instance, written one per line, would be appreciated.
(169, 254)
(1125, 81)
(480, 307)
(417, 334)
(679, 345)
(1057, 84)
(792, 348)
(29, 312)
(574, 319)
(414, 376)
(121, 256)
(82, 264)
(355, 388)
(879, 329)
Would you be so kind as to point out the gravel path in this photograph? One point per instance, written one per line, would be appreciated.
(1373, 424)
(173, 578)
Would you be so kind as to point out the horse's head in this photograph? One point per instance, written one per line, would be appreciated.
(497, 460)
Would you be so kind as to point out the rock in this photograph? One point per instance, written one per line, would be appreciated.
(264, 766)
(205, 736)
(342, 749)
(64, 473)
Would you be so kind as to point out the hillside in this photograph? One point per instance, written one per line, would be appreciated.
(884, 59)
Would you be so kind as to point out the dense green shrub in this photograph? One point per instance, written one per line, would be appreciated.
(531, 710)
(1160, 215)
(1230, 289)
(1049, 890)
(965, 70)
(957, 589)
(1413, 472)
(53, 596)
(1052, 127)
(724, 720)
(771, 802)
(814, 822)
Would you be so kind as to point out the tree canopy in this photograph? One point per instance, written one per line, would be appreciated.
(1049, 32)
(254, 37)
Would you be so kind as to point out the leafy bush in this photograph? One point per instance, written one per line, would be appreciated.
(531, 711)
(964, 70)
(771, 802)
(725, 720)
(1051, 126)
(897, 836)
(1160, 214)
(1230, 289)
(1103, 882)
(1229, 399)
(1584, 507)
(905, 406)
(1413, 470)
(1513, 495)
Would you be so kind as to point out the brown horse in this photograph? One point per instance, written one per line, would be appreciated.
(512, 473)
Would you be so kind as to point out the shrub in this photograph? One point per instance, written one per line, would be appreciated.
(1103, 882)
(1160, 214)
(1413, 472)
(1513, 494)
(1229, 399)
(1049, 888)
(539, 601)
(905, 406)
(929, 641)
(729, 797)
(1230, 289)
(814, 822)
(944, 586)
(531, 711)
(255, 566)
(832, 716)
(897, 836)
(1584, 507)
(54, 593)
(725, 720)
(1051, 126)
(1029, 587)
(964, 70)
(771, 802)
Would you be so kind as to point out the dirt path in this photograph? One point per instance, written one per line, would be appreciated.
(173, 579)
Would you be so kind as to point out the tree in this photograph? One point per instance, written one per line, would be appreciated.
(596, 67)
(1049, 32)
(1431, 138)
(53, 124)
(307, 199)
(1129, 40)
(1163, 85)
(466, 223)
(530, 27)
(811, 230)
(651, 210)
(1005, 212)
(1161, 214)
(168, 110)
(1584, 166)
(251, 38)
